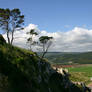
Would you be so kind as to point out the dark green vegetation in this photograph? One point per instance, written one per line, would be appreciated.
(82, 73)
(69, 58)
(23, 71)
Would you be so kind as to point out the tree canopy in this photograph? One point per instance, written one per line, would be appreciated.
(10, 21)
(30, 40)
(46, 42)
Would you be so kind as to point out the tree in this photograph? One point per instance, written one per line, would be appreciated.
(30, 40)
(45, 42)
(10, 21)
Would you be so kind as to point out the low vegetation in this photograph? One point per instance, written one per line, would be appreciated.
(81, 74)
(69, 58)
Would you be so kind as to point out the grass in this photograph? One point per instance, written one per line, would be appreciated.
(81, 74)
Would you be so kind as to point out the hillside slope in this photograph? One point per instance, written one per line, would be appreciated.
(23, 71)
(66, 58)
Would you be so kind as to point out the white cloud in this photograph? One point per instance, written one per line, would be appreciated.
(76, 40)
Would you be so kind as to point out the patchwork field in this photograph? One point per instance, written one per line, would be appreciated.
(82, 73)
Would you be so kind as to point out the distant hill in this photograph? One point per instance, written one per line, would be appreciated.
(70, 57)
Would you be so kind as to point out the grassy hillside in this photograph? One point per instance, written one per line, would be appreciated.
(66, 58)
(23, 71)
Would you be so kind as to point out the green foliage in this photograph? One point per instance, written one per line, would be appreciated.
(32, 32)
(30, 40)
(18, 66)
(45, 39)
(10, 21)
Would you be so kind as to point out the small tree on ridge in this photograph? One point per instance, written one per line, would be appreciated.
(30, 40)
(45, 42)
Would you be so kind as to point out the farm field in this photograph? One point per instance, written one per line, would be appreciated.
(81, 73)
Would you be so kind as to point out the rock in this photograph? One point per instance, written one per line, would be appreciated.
(91, 78)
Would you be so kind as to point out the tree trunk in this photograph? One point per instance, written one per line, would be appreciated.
(7, 28)
(43, 54)
(8, 37)
(12, 37)
(45, 51)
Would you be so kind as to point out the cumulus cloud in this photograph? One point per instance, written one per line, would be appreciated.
(76, 40)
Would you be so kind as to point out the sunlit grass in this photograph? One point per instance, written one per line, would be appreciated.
(81, 74)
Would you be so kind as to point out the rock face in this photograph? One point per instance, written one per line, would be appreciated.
(2, 40)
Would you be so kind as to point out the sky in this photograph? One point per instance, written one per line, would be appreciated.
(54, 15)
(62, 18)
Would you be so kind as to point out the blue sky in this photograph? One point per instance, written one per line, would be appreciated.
(54, 15)
(68, 21)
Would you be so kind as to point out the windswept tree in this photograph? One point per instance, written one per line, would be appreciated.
(45, 43)
(30, 40)
(10, 21)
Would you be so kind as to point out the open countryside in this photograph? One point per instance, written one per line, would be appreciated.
(45, 45)
(78, 72)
